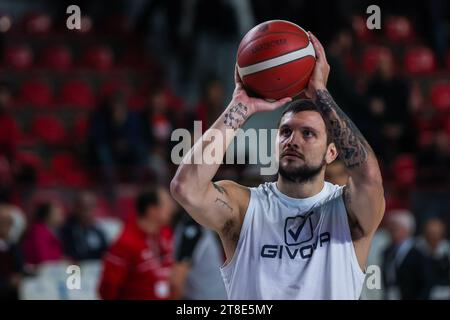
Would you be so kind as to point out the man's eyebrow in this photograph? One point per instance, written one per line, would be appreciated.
(309, 128)
(301, 127)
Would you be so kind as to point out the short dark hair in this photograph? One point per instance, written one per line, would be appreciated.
(296, 106)
(146, 199)
(43, 211)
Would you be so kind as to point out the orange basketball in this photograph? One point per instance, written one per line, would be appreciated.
(275, 59)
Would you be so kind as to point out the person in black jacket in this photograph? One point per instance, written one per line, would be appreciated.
(406, 271)
(82, 239)
(436, 248)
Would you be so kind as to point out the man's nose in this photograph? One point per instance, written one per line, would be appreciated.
(292, 141)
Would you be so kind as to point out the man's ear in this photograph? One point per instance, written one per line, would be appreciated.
(332, 153)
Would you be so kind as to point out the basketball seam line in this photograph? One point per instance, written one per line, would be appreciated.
(279, 65)
(257, 67)
(293, 50)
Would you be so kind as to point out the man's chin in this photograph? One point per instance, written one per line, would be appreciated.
(290, 168)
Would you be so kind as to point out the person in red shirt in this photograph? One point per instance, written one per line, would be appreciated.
(41, 243)
(138, 264)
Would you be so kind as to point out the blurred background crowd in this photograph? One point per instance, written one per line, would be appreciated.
(86, 118)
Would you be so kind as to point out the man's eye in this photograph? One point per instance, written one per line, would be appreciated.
(285, 132)
(307, 133)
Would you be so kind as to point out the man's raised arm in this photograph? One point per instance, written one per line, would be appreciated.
(363, 194)
(212, 204)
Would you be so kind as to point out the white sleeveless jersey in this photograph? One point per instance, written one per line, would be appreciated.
(294, 248)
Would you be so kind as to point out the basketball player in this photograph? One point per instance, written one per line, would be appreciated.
(299, 237)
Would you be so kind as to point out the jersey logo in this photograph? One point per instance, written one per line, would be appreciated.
(298, 229)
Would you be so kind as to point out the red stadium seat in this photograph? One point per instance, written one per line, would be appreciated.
(27, 158)
(360, 28)
(404, 171)
(98, 57)
(398, 29)
(78, 94)
(76, 178)
(137, 101)
(419, 61)
(80, 129)
(108, 88)
(46, 178)
(63, 162)
(57, 58)
(68, 170)
(49, 129)
(447, 127)
(10, 134)
(37, 23)
(35, 93)
(372, 57)
(440, 95)
(426, 138)
(18, 57)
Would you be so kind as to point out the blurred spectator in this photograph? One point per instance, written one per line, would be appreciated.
(436, 248)
(336, 173)
(215, 40)
(388, 109)
(406, 272)
(434, 161)
(340, 82)
(198, 255)
(158, 122)
(9, 130)
(211, 104)
(82, 239)
(11, 260)
(158, 119)
(42, 243)
(137, 266)
(115, 138)
(19, 221)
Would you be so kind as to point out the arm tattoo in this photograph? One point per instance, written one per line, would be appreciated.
(352, 146)
(236, 116)
(219, 188)
(223, 204)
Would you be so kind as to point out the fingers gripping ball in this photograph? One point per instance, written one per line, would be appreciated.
(275, 59)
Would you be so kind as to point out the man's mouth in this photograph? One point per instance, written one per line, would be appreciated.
(291, 154)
